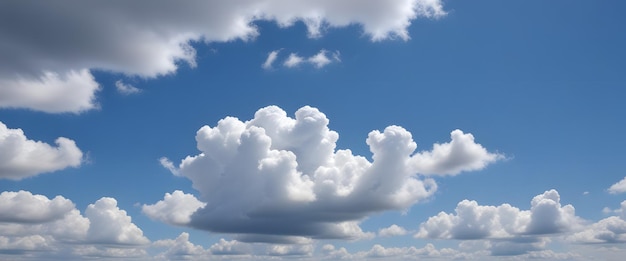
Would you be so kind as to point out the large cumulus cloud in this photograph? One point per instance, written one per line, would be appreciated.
(48, 49)
(277, 175)
(21, 157)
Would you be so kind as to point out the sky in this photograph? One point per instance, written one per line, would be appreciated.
(312, 130)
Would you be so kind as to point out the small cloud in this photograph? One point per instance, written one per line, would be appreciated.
(293, 60)
(320, 59)
(166, 163)
(126, 89)
(585, 193)
(271, 57)
(393, 230)
(619, 187)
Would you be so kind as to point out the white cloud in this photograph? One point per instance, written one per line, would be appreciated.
(169, 165)
(619, 187)
(320, 59)
(232, 247)
(378, 252)
(271, 57)
(43, 71)
(290, 250)
(125, 88)
(24, 207)
(296, 182)
(45, 227)
(179, 248)
(608, 230)
(111, 225)
(293, 60)
(461, 154)
(175, 208)
(21, 157)
(473, 221)
(393, 230)
(54, 92)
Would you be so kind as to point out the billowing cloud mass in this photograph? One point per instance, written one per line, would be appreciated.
(619, 187)
(40, 227)
(21, 157)
(42, 70)
(276, 175)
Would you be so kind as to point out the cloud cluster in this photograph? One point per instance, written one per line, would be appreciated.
(511, 231)
(276, 175)
(21, 157)
(608, 230)
(49, 49)
(473, 221)
(35, 225)
(378, 252)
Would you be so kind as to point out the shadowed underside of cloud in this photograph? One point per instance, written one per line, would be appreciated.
(277, 175)
(21, 157)
(48, 49)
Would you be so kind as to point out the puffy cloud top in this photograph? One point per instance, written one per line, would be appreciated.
(24, 207)
(473, 221)
(45, 226)
(277, 175)
(48, 49)
(21, 157)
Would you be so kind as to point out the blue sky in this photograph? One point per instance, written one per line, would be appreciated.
(516, 108)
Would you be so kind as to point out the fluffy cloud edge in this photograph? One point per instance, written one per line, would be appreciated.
(41, 227)
(21, 158)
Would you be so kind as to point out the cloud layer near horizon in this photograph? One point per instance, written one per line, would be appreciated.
(51, 48)
(297, 183)
(32, 224)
